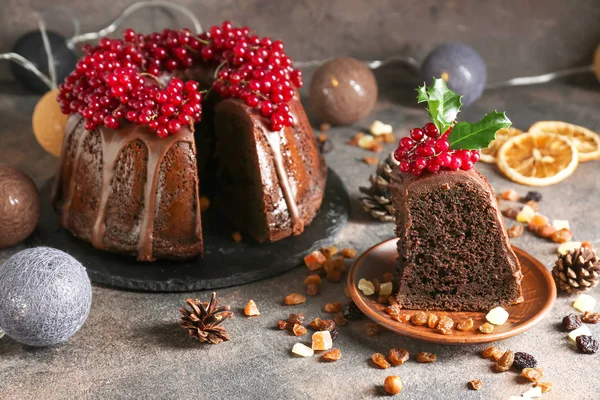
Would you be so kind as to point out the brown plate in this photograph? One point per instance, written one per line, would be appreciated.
(539, 293)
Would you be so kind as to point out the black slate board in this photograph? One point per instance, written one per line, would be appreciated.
(225, 263)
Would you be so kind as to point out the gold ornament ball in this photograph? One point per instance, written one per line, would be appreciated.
(49, 123)
(392, 385)
(597, 62)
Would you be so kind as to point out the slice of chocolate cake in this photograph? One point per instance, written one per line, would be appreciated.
(453, 250)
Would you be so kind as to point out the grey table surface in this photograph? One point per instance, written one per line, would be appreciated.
(131, 346)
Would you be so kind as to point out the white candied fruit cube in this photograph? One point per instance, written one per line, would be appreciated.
(379, 128)
(565, 247)
(497, 316)
(584, 302)
(385, 289)
(366, 287)
(321, 340)
(366, 142)
(526, 214)
(582, 330)
(302, 350)
(560, 224)
(533, 393)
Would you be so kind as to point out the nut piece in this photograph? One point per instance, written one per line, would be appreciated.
(294, 299)
(515, 231)
(392, 385)
(385, 289)
(299, 330)
(582, 330)
(321, 340)
(314, 260)
(332, 307)
(332, 355)
(465, 325)
(302, 350)
(476, 384)
(532, 374)
(380, 360)
(486, 328)
(251, 310)
(560, 224)
(398, 356)
(379, 128)
(420, 318)
(348, 253)
(584, 302)
(432, 320)
(366, 287)
(545, 386)
(505, 362)
(425, 357)
(526, 214)
(497, 316)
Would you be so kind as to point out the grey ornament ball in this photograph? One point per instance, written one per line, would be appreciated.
(460, 66)
(45, 296)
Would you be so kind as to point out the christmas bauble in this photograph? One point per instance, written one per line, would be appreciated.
(342, 91)
(460, 66)
(48, 123)
(19, 206)
(31, 46)
(45, 296)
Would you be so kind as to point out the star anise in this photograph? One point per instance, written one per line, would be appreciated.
(203, 320)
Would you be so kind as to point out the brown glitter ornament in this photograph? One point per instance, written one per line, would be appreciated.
(48, 123)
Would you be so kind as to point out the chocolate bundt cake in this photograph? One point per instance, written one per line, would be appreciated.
(135, 153)
(453, 250)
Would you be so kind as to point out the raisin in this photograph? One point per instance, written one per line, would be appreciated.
(312, 289)
(510, 212)
(465, 325)
(294, 299)
(316, 324)
(371, 328)
(296, 319)
(404, 318)
(425, 357)
(383, 299)
(562, 236)
(348, 253)
(419, 319)
(515, 231)
(334, 333)
(488, 351)
(282, 325)
(486, 328)
(432, 320)
(332, 307)
(339, 319)
(532, 374)
(327, 325)
(312, 280)
(492, 353)
(298, 330)
(332, 355)
(587, 344)
(445, 325)
(571, 322)
(590, 317)
(334, 276)
(476, 384)
(398, 356)
(380, 360)
(388, 277)
(351, 311)
(533, 196)
(546, 386)
(505, 362)
(392, 310)
(524, 360)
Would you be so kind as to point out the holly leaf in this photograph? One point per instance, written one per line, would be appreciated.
(442, 103)
(467, 136)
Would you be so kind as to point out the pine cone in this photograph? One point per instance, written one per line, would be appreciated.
(577, 271)
(378, 202)
(204, 319)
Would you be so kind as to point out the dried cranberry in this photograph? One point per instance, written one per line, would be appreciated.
(523, 360)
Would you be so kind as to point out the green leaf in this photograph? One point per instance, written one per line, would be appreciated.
(467, 136)
(442, 103)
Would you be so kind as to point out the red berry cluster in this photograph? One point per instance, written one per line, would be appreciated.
(426, 149)
(120, 80)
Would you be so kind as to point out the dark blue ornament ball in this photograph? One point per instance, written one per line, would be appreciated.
(31, 46)
(460, 66)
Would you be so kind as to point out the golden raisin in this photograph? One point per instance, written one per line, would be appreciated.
(532, 374)
(425, 357)
(419, 319)
(432, 320)
(299, 330)
(486, 328)
(347, 292)
(398, 356)
(251, 310)
(533, 204)
(510, 195)
(510, 213)
(348, 252)
(539, 220)
(546, 386)
(332, 307)
(376, 285)
(312, 289)
(327, 325)
(392, 385)
(392, 310)
(445, 325)
(371, 328)
(404, 318)
(314, 260)
(332, 355)
(546, 231)
(492, 353)
(295, 319)
(294, 299)
(282, 324)
(476, 384)
(329, 252)
(339, 319)
(562, 236)
(389, 137)
(237, 237)
(590, 317)
(316, 324)
(380, 360)
(371, 160)
(465, 325)
(312, 280)
(506, 361)
(334, 276)
(515, 231)
(388, 277)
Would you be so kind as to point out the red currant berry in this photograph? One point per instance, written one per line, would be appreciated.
(417, 134)
(420, 163)
(407, 143)
(475, 156)
(444, 159)
(455, 162)
(111, 122)
(404, 166)
(442, 145)
(465, 166)
(400, 154)
(431, 130)
(432, 166)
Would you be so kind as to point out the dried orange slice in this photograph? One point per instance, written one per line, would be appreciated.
(538, 159)
(586, 141)
(488, 155)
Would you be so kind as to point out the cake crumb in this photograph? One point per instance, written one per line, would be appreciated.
(251, 310)
(332, 355)
(237, 237)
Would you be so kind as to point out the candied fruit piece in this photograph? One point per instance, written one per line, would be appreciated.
(425, 357)
(533, 393)
(251, 310)
(524, 360)
(560, 224)
(526, 214)
(584, 302)
(380, 360)
(465, 325)
(302, 350)
(571, 322)
(566, 247)
(385, 288)
(486, 328)
(332, 307)
(562, 236)
(332, 355)
(366, 287)
(506, 361)
(419, 319)
(312, 280)
(510, 195)
(432, 320)
(590, 317)
(398, 356)
(582, 330)
(546, 231)
(392, 385)
(294, 299)
(348, 253)
(497, 316)
(379, 128)
(587, 344)
(339, 319)
(322, 340)
(312, 289)
(329, 252)
(539, 220)
(532, 374)
(476, 384)
(314, 260)
(371, 328)
(298, 330)
(352, 312)
(545, 386)
(515, 231)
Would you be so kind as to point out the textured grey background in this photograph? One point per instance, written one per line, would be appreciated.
(131, 347)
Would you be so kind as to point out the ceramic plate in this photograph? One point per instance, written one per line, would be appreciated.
(538, 287)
